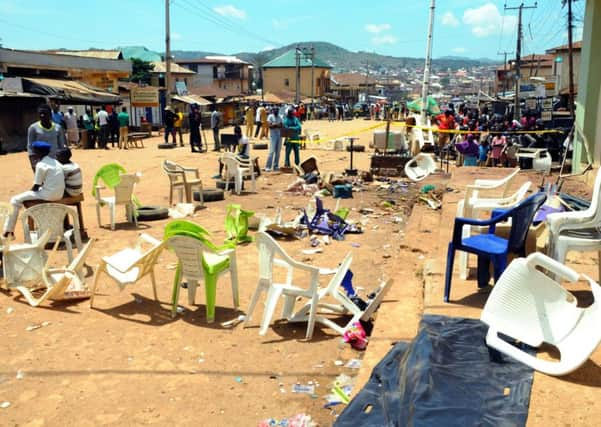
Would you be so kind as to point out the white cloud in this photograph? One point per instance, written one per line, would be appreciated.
(450, 20)
(384, 39)
(486, 21)
(377, 28)
(459, 50)
(230, 11)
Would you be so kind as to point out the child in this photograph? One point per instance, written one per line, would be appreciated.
(483, 151)
(498, 143)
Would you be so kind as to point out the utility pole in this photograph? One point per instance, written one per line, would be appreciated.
(504, 53)
(297, 55)
(426, 83)
(167, 55)
(570, 57)
(518, 52)
(312, 75)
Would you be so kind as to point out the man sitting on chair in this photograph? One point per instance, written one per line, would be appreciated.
(48, 184)
(243, 151)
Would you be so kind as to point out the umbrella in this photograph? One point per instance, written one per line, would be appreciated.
(416, 106)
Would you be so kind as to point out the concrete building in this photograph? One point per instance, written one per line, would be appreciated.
(348, 86)
(103, 73)
(561, 67)
(530, 66)
(221, 72)
(279, 75)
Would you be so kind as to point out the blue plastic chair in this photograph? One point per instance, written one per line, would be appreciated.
(489, 247)
(325, 222)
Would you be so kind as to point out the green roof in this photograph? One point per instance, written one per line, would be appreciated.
(140, 52)
(288, 60)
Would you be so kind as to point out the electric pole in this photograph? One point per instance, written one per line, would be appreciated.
(312, 75)
(426, 83)
(167, 56)
(297, 54)
(570, 57)
(518, 52)
(504, 53)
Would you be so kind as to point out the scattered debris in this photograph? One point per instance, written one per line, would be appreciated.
(238, 379)
(37, 326)
(234, 322)
(298, 420)
(356, 336)
(338, 362)
(353, 364)
(5, 404)
(20, 374)
(10, 310)
(312, 251)
(355, 245)
(302, 388)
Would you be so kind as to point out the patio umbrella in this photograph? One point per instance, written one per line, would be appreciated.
(416, 106)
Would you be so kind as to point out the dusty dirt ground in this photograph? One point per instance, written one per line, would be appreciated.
(127, 362)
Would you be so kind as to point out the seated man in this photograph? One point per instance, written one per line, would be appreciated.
(48, 184)
(72, 172)
(243, 152)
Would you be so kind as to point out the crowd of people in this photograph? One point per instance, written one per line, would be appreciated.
(484, 139)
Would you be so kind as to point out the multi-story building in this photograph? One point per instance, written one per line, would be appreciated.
(219, 72)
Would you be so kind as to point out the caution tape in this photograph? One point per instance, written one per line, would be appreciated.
(427, 128)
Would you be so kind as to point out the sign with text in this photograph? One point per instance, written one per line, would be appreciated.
(144, 97)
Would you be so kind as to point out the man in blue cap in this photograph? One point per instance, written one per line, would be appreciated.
(45, 130)
(48, 184)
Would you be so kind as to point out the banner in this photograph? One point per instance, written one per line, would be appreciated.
(144, 96)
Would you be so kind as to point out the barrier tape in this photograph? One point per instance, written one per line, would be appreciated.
(427, 128)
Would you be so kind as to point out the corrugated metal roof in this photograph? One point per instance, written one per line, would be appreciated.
(160, 67)
(140, 52)
(104, 54)
(288, 60)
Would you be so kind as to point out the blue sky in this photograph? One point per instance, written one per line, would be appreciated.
(469, 28)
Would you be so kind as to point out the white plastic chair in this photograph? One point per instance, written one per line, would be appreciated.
(238, 169)
(51, 216)
(420, 167)
(195, 258)
(272, 255)
(129, 265)
(529, 306)
(474, 205)
(24, 263)
(344, 304)
(123, 196)
(5, 211)
(61, 283)
(577, 231)
(183, 180)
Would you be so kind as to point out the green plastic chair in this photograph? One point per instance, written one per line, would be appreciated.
(236, 224)
(199, 258)
(110, 175)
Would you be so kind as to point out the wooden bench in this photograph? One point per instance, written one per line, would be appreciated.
(134, 137)
(69, 201)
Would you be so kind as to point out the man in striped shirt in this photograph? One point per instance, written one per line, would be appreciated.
(72, 172)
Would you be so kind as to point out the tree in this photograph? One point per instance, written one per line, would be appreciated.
(140, 70)
(260, 59)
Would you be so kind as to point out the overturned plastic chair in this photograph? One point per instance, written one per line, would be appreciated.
(578, 230)
(23, 264)
(130, 265)
(199, 259)
(61, 284)
(419, 167)
(529, 306)
(236, 224)
(51, 216)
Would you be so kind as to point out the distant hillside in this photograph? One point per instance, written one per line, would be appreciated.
(191, 54)
(343, 60)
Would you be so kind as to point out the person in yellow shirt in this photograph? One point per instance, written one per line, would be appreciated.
(177, 124)
(249, 117)
(264, 124)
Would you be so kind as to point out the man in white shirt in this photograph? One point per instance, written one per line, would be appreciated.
(70, 120)
(48, 184)
(275, 136)
(103, 122)
(258, 120)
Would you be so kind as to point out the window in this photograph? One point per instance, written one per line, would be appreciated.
(286, 82)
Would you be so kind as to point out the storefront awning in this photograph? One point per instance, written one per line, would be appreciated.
(191, 99)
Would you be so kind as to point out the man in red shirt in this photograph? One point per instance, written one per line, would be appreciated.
(446, 121)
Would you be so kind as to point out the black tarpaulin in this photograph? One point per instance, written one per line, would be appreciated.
(445, 377)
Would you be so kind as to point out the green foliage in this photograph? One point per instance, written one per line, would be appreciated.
(140, 71)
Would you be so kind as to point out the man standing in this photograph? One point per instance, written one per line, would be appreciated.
(179, 120)
(215, 124)
(194, 121)
(103, 123)
(249, 116)
(72, 129)
(44, 130)
(264, 125)
(292, 143)
(258, 119)
(48, 184)
(275, 136)
(169, 124)
(57, 116)
(114, 126)
(446, 121)
(123, 119)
